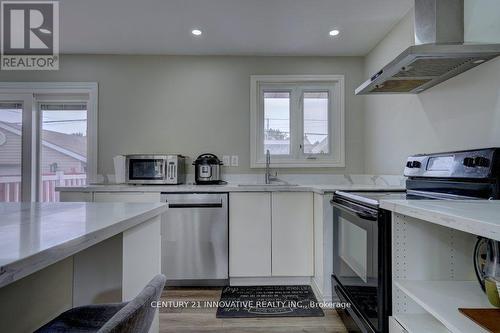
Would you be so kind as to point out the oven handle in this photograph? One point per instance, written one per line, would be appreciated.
(363, 214)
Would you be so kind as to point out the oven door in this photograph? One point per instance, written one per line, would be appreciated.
(356, 260)
(146, 170)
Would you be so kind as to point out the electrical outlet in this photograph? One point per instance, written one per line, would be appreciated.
(235, 160)
(226, 159)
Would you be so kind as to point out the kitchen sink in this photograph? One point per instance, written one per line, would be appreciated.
(269, 185)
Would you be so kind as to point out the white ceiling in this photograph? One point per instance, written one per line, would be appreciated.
(230, 27)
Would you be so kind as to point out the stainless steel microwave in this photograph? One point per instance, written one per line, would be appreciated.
(155, 169)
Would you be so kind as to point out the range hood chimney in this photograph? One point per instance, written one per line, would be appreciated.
(439, 52)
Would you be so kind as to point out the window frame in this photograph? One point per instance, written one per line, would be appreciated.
(334, 84)
(31, 126)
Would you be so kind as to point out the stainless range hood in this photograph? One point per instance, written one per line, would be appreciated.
(439, 52)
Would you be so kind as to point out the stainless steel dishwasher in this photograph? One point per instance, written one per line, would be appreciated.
(195, 239)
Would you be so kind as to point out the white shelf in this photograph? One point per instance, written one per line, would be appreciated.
(420, 323)
(442, 299)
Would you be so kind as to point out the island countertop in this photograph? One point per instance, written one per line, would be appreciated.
(478, 217)
(36, 235)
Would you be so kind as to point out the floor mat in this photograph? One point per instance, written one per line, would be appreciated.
(268, 301)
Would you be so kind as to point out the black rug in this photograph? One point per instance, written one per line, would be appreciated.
(268, 301)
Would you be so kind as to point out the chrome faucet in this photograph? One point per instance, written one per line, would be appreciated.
(269, 177)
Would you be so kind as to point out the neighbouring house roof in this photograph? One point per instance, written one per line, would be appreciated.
(317, 147)
(72, 145)
(283, 146)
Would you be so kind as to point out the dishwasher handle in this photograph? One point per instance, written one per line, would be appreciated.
(194, 205)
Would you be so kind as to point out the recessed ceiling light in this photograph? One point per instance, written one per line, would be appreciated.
(196, 32)
(479, 61)
(334, 33)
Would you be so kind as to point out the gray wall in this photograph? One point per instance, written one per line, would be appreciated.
(192, 104)
(461, 113)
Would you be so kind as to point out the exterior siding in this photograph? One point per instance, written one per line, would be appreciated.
(65, 163)
(10, 158)
(10, 151)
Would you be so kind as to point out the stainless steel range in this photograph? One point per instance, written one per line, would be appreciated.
(362, 231)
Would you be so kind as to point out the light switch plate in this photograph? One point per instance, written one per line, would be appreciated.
(235, 160)
(226, 159)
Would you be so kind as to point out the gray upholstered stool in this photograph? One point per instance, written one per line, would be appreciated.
(128, 317)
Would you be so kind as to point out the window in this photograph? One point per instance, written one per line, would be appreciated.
(277, 122)
(299, 119)
(48, 138)
(315, 120)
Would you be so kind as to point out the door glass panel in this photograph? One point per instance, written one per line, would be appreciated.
(11, 117)
(316, 123)
(63, 153)
(277, 123)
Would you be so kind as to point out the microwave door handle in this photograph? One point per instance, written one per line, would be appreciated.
(365, 215)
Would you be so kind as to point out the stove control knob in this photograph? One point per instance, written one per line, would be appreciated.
(416, 164)
(482, 161)
(469, 162)
(409, 164)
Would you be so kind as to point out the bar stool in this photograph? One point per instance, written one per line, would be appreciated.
(128, 317)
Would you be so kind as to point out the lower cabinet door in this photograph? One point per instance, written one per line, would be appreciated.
(75, 196)
(250, 234)
(126, 197)
(292, 234)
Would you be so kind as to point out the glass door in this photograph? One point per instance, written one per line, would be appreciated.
(16, 155)
(63, 147)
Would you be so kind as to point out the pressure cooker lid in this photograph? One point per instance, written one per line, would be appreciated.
(207, 159)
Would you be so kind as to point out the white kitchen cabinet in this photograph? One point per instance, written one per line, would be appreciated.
(292, 234)
(126, 197)
(75, 196)
(250, 234)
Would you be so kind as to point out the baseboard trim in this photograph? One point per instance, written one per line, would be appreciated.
(269, 281)
(316, 290)
(319, 295)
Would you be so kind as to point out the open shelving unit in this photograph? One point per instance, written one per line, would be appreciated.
(420, 322)
(441, 299)
(433, 276)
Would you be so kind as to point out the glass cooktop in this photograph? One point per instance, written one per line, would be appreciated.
(373, 198)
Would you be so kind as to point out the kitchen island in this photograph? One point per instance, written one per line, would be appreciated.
(478, 217)
(55, 256)
(432, 262)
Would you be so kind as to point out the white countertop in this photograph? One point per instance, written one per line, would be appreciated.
(321, 189)
(36, 235)
(478, 217)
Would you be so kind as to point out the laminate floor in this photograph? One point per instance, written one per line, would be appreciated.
(189, 319)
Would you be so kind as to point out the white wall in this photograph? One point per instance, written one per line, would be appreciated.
(192, 104)
(461, 113)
